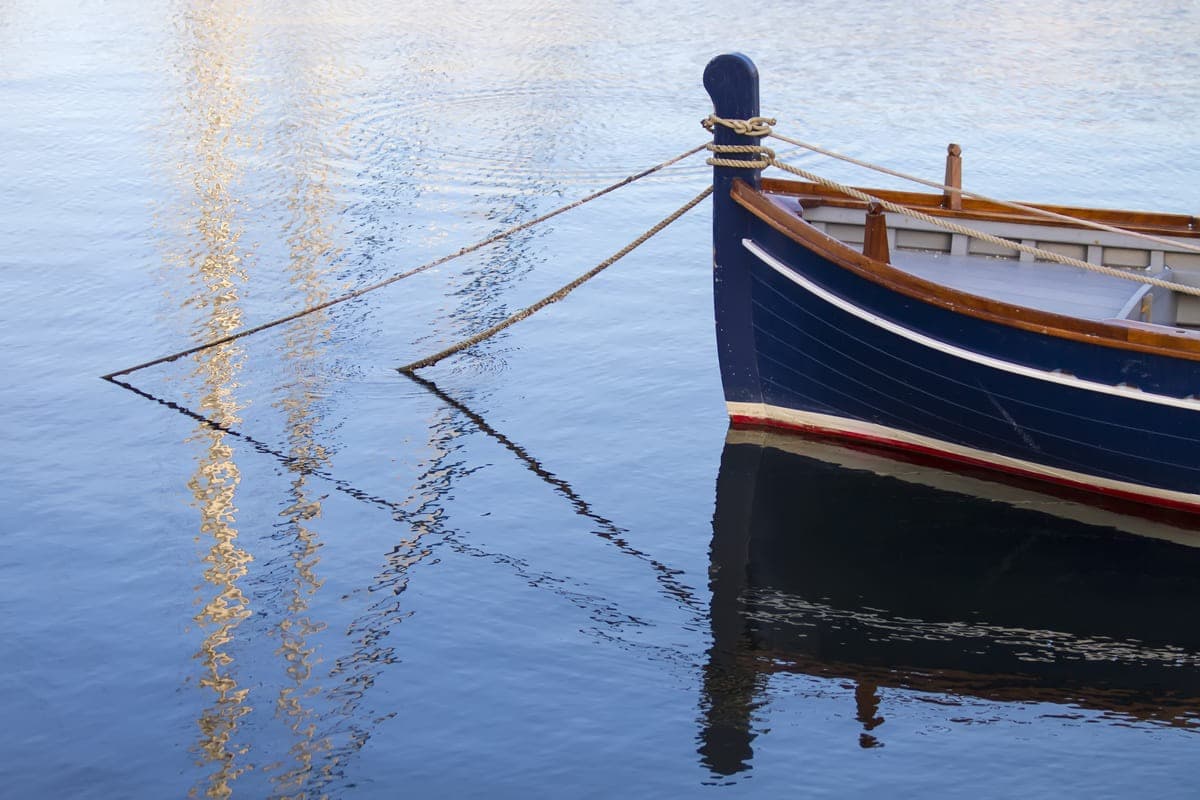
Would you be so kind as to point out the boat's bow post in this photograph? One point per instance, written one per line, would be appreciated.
(732, 82)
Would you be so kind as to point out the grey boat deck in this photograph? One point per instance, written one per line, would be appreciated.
(1045, 286)
(1003, 274)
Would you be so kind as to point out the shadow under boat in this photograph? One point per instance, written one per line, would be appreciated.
(846, 562)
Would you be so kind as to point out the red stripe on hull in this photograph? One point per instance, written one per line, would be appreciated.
(943, 455)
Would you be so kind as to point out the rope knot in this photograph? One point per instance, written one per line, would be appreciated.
(755, 126)
(766, 156)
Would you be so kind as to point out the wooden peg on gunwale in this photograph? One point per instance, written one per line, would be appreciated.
(952, 198)
(875, 243)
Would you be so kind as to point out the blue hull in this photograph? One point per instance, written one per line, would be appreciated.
(816, 336)
(859, 360)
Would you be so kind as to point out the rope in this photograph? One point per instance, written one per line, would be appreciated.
(755, 126)
(767, 157)
(757, 123)
(987, 237)
(528, 311)
(1006, 203)
(401, 276)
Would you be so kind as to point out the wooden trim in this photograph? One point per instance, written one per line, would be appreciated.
(811, 195)
(1110, 333)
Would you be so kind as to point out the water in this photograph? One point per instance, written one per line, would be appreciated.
(502, 584)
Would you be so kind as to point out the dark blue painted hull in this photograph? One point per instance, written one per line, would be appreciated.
(813, 335)
(815, 356)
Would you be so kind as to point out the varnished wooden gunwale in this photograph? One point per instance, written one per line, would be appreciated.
(1108, 333)
(811, 195)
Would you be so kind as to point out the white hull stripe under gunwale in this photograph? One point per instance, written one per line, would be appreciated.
(1128, 392)
(808, 420)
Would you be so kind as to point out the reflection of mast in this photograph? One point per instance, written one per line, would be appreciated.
(304, 145)
(213, 104)
(296, 626)
(214, 486)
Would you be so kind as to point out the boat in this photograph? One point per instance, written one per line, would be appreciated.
(951, 329)
(939, 588)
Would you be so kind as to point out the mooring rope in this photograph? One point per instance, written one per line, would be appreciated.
(1042, 212)
(560, 293)
(767, 158)
(1000, 241)
(761, 126)
(758, 127)
(401, 276)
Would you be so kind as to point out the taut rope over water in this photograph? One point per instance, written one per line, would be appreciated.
(528, 311)
(401, 276)
(759, 127)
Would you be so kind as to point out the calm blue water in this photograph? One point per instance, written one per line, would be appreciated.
(547, 574)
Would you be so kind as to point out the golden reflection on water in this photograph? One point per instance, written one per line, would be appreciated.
(211, 47)
(228, 127)
(216, 127)
(304, 147)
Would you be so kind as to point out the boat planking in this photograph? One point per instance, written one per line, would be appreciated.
(832, 320)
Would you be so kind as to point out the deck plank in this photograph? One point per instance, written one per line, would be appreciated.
(1056, 288)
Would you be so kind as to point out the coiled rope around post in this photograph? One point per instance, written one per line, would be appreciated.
(528, 311)
(409, 273)
(766, 157)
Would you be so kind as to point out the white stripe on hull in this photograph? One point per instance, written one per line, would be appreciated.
(826, 423)
(1128, 392)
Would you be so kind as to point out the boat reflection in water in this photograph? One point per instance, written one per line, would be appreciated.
(843, 562)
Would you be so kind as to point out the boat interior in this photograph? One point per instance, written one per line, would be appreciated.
(982, 268)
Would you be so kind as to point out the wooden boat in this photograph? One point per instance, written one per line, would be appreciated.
(831, 319)
(928, 588)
